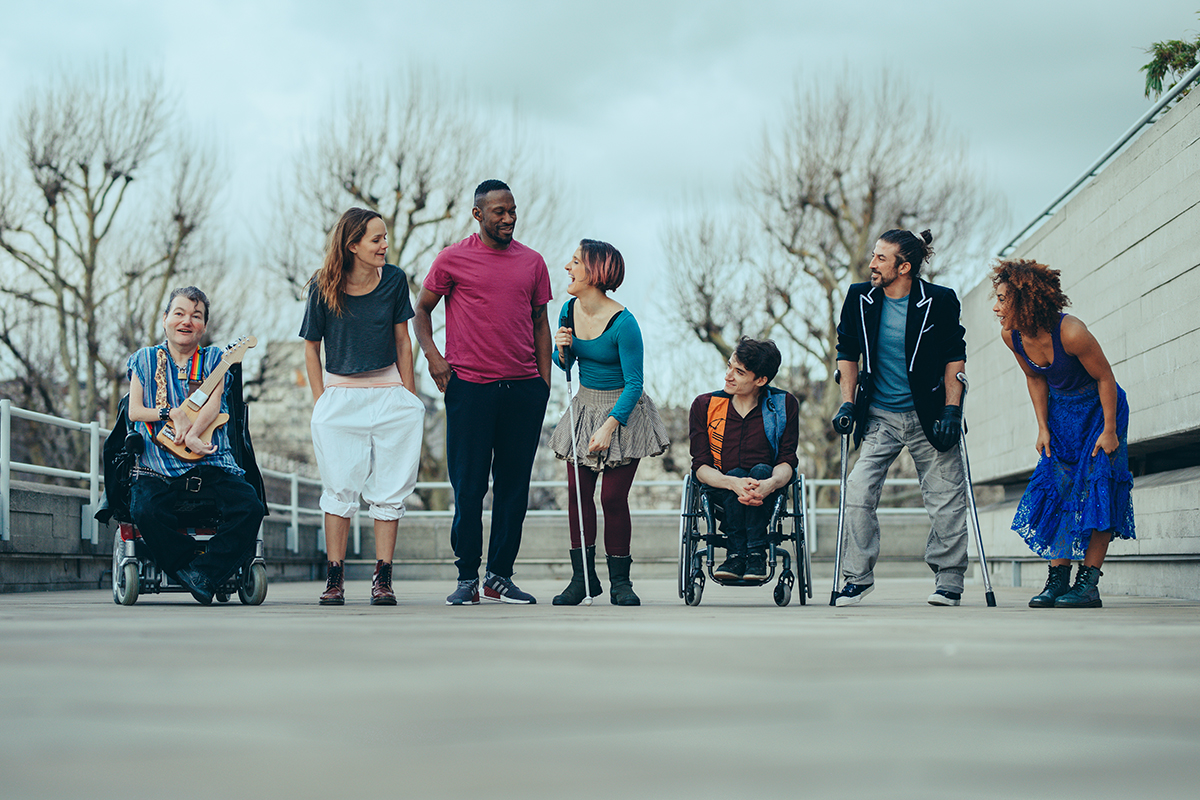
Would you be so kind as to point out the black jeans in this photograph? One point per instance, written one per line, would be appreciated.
(152, 505)
(745, 526)
(491, 428)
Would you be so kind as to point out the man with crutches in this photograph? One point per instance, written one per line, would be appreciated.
(907, 335)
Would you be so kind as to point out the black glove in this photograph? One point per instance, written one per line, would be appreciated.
(947, 429)
(843, 420)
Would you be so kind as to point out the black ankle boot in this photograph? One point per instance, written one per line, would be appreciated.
(1085, 593)
(1058, 584)
(574, 593)
(621, 592)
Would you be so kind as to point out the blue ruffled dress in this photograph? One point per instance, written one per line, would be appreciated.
(1072, 493)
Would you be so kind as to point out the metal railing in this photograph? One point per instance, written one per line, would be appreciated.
(1099, 164)
(295, 512)
(89, 527)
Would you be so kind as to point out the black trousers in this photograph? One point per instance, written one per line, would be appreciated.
(491, 428)
(152, 505)
(745, 526)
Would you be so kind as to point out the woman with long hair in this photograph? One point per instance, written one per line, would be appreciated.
(616, 424)
(367, 419)
(1079, 496)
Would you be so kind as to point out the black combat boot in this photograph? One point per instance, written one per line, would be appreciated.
(1085, 593)
(574, 593)
(1058, 584)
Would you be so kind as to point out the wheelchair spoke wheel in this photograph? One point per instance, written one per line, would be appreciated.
(124, 579)
(253, 589)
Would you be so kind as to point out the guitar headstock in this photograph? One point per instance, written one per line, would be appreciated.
(235, 351)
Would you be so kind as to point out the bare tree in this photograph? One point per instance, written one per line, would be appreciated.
(846, 164)
(412, 150)
(95, 252)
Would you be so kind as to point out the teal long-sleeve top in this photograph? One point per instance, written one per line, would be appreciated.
(613, 360)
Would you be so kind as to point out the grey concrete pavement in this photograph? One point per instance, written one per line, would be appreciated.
(891, 699)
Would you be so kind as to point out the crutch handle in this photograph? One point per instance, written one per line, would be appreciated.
(962, 378)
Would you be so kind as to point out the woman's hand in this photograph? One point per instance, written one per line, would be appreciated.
(198, 445)
(181, 423)
(1108, 442)
(563, 337)
(603, 435)
(1043, 442)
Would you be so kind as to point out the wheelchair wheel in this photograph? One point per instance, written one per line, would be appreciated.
(221, 597)
(254, 586)
(125, 581)
(695, 589)
(783, 594)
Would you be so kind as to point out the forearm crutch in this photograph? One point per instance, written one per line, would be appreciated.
(837, 553)
(966, 462)
(587, 589)
(837, 558)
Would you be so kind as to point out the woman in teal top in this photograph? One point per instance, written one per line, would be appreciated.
(618, 422)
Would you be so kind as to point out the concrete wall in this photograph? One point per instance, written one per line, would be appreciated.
(1126, 246)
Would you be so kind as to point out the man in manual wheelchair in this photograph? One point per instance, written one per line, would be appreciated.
(743, 446)
(180, 458)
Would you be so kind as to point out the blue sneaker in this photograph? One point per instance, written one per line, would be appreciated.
(944, 597)
(503, 590)
(851, 593)
(467, 594)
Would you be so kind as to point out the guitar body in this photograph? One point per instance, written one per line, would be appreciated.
(166, 437)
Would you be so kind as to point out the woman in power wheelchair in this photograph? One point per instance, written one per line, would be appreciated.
(195, 506)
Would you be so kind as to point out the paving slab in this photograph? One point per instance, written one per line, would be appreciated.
(737, 697)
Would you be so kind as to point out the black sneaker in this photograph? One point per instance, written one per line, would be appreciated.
(732, 570)
(944, 597)
(503, 590)
(851, 593)
(467, 594)
(756, 567)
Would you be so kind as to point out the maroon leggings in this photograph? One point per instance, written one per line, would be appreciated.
(614, 497)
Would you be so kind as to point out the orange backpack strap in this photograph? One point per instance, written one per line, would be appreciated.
(718, 409)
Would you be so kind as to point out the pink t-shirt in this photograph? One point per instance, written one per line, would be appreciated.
(490, 296)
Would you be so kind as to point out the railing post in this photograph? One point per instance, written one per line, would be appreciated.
(810, 515)
(293, 535)
(5, 471)
(94, 479)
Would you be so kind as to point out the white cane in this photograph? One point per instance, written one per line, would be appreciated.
(587, 588)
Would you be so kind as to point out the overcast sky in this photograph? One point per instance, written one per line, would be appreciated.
(639, 105)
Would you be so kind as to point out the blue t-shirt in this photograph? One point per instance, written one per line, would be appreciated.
(144, 365)
(613, 360)
(892, 391)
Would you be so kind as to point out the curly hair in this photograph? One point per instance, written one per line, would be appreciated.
(1035, 295)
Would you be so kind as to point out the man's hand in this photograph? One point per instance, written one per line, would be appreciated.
(946, 431)
(197, 445)
(181, 423)
(843, 420)
(747, 491)
(440, 370)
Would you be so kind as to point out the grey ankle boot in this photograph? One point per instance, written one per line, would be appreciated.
(621, 592)
(1085, 593)
(1058, 584)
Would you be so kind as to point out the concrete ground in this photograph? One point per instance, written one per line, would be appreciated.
(736, 698)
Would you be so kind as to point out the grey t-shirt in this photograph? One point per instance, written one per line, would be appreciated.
(892, 392)
(363, 337)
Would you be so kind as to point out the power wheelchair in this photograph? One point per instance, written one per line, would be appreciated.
(699, 538)
(134, 571)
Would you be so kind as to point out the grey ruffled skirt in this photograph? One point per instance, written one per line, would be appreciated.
(642, 436)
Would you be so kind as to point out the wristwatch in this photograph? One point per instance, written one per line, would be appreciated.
(164, 413)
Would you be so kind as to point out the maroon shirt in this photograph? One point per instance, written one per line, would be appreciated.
(745, 444)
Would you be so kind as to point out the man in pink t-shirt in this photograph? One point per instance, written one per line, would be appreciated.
(496, 379)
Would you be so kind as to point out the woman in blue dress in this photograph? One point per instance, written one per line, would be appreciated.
(616, 425)
(1079, 496)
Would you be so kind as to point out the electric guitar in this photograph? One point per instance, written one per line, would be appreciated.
(166, 436)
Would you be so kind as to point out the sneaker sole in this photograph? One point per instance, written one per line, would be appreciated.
(514, 601)
(942, 600)
(727, 576)
(463, 603)
(851, 601)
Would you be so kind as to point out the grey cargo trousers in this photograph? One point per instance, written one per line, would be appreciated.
(942, 488)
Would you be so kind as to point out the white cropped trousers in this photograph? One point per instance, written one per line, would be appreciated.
(368, 442)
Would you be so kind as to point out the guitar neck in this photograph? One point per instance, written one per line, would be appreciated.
(198, 398)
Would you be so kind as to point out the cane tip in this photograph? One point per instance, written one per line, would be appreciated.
(587, 601)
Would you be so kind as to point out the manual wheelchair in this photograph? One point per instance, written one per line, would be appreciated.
(134, 571)
(698, 543)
